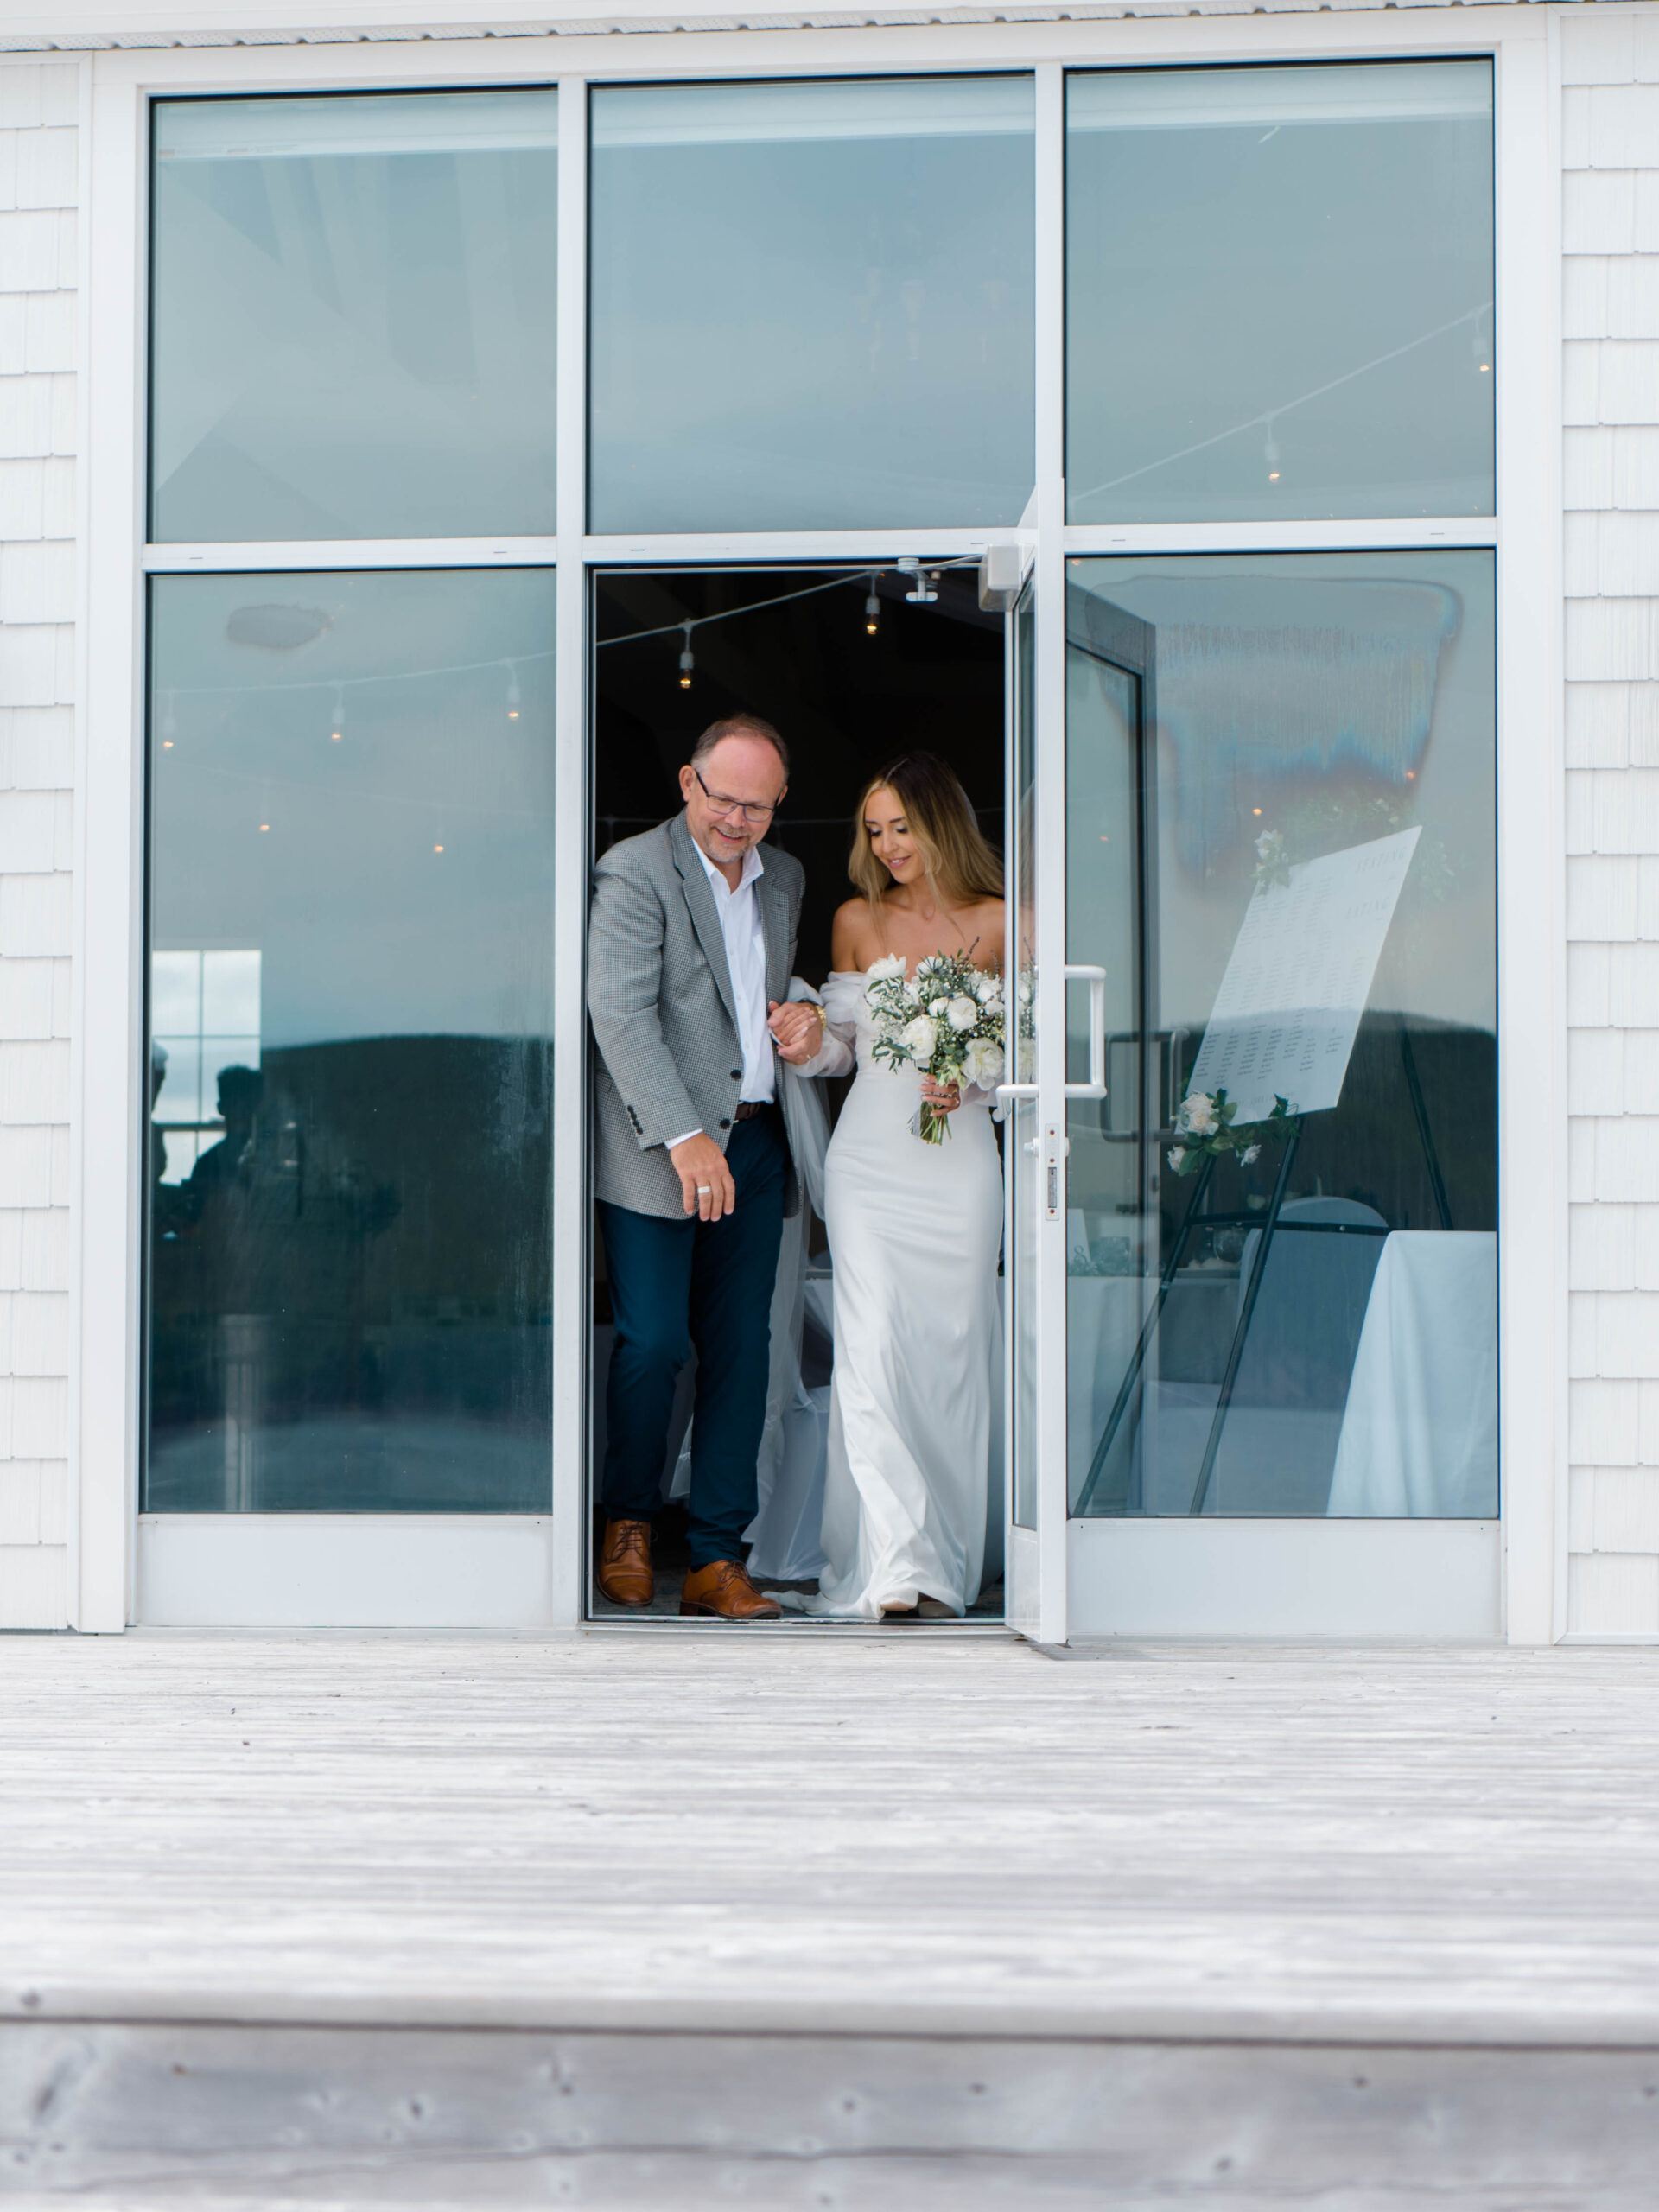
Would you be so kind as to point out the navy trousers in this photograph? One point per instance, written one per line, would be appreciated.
(676, 1284)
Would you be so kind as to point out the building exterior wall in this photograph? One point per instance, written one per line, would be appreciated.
(1610, 139)
(39, 117)
(1611, 332)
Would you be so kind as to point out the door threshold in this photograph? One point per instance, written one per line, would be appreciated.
(797, 1625)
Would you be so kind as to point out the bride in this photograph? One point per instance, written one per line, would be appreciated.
(914, 1228)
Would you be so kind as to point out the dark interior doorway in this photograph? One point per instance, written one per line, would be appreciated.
(850, 686)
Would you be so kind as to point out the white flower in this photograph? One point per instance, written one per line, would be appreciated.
(963, 1013)
(890, 965)
(938, 1008)
(1196, 1117)
(989, 990)
(1025, 991)
(1177, 1154)
(1269, 845)
(1250, 1155)
(918, 1038)
(983, 1065)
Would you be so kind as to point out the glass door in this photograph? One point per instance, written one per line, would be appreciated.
(1059, 1050)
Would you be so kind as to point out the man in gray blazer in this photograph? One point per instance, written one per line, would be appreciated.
(690, 948)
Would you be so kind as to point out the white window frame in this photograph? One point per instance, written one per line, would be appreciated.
(106, 1195)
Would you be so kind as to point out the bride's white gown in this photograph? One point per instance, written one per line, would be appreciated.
(914, 1231)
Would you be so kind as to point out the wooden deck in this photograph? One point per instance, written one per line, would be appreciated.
(1428, 1868)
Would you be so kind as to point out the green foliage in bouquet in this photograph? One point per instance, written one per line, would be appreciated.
(946, 1021)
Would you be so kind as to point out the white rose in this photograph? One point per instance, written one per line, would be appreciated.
(918, 1038)
(1250, 1155)
(988, 989)
(983, 1064)
(1198, 1116)
(963, 1013)
(891, 963)
(937, 1007)
(1177, 1154)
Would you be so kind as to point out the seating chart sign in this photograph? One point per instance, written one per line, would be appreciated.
(1300, 972)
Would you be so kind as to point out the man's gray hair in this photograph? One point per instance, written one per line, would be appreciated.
(739, 726)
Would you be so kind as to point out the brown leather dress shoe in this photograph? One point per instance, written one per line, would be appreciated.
(723, 1588)
(624, 1563)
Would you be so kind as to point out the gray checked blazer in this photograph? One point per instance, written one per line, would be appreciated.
(659, 996)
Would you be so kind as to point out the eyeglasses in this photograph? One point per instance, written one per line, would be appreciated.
(723, 805)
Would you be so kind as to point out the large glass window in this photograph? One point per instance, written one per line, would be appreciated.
(1279, 292)
(353, 316)
(351, 805)
(811, 304)
(1281, 843)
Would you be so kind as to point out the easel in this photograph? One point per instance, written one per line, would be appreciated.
(1130, 1389)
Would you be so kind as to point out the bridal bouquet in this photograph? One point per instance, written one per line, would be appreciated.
(946, 1021)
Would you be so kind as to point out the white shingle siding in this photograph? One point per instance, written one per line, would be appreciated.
(39, 155)
(1611, 329)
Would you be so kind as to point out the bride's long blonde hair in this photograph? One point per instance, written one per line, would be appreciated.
(961, 863)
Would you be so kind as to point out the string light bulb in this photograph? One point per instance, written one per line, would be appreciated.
(687, 661)
(169, 727)
(513, 691)
(872, 611)
(337, 725)
(1271, 452)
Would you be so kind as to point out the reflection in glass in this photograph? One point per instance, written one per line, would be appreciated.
(1308, 1328)
(1279, 292)
(351, 1021)
(353, 316)
(811, 304)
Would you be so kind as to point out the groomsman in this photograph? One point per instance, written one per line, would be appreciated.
(691, 944)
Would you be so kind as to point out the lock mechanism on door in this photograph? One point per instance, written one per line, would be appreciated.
(1056, 1145)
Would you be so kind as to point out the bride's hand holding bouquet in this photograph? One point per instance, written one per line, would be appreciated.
(946, 1021)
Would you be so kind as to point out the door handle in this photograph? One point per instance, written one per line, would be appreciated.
(1096, 1086)
(1096, 979)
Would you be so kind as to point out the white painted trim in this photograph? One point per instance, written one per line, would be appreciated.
(1428, 1581)
(73, 1594)
(1409, 533)
(1049, 851)
(788, 548)
(570, 1259)
(109, 870)
(1531, 845)
(330, 553)
(346, 1570)
(671, 49)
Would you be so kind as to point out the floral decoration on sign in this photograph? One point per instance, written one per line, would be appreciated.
(1204, 1123)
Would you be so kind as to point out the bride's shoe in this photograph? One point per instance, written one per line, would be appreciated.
(898, 1612)
(935, 1609)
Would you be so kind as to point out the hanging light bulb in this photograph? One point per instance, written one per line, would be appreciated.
(687, 663)
(1272, 454)
(169, 727)
(337, 723)
(871, 610)
(513, 691)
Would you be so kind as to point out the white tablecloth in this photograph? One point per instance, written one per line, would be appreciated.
(1420, 1435)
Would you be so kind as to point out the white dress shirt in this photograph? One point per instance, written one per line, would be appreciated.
(746, 962)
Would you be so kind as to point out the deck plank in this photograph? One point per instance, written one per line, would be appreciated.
(836, 1834)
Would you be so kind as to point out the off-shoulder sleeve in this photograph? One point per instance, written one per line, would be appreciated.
(843, 1002)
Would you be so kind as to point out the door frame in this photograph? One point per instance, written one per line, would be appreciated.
(101, 1179)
